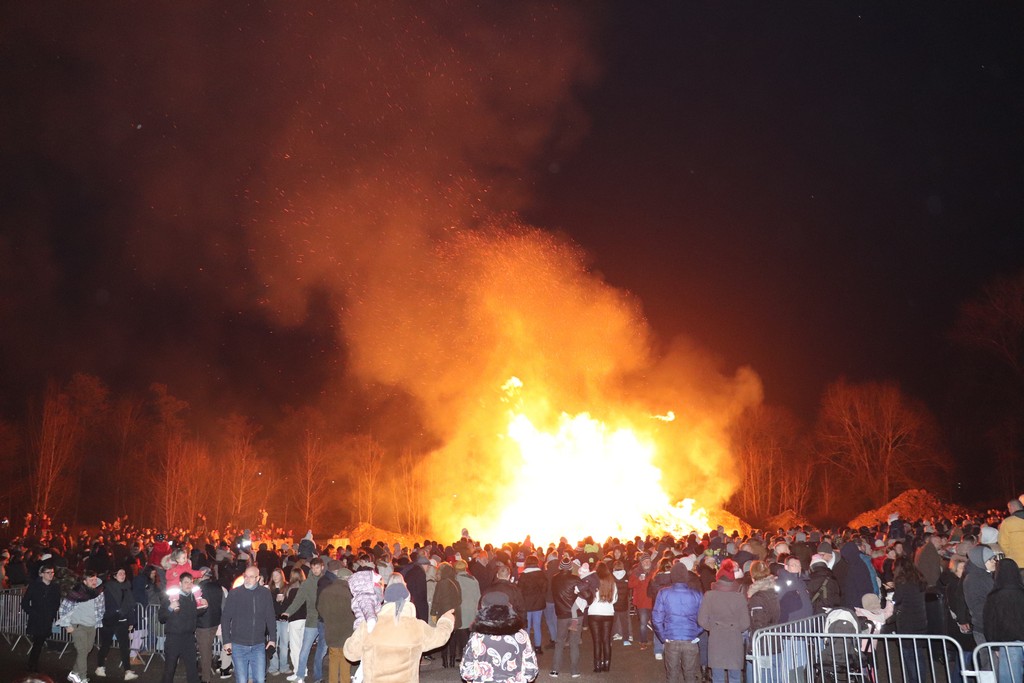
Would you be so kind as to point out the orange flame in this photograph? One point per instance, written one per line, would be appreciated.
(583, 477)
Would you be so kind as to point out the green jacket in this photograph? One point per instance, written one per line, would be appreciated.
(306, 596)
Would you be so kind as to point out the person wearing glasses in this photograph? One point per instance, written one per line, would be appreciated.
(41, 602)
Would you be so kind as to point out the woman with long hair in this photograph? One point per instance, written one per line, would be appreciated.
(911, 617)
(279, 590)
(601, 614)
(297, 621)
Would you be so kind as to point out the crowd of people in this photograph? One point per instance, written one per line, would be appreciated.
(374, 612)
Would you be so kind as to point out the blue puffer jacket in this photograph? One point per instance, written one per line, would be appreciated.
(675, 612)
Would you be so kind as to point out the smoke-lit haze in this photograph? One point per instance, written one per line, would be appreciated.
(269, 202)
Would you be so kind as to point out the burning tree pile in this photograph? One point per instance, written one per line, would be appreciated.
(910, 505)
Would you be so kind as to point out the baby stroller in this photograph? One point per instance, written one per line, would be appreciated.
(842, 658)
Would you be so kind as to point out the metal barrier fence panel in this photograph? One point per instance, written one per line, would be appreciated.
(1000, 662)
(815, 657)
(147, 638)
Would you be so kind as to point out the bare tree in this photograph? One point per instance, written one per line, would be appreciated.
(405, 486)
(882, 441)
(775, 460)
(994, 322)
(310, 475)
(127, 425)
(240, 458)
(67, 416)
(367, 458)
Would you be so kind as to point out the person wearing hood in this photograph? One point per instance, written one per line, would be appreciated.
(503, 584)
(978, 583)
(533, 584)
(447, 598)
(623, 625)
(367, 590)
(499, 648)
(391, 651)
(307, 548)
(675, 623)
(81, 613)
(724, 614)
(853, 574)
(1011, 532)
(1004, 619)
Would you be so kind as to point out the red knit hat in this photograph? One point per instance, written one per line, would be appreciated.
(727, 571)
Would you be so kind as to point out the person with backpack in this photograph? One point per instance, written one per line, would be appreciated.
(823, 587)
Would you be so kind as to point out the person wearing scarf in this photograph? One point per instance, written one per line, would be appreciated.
(390, 651)
(80, 613)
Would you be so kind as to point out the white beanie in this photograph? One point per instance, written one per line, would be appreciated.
(989, 535)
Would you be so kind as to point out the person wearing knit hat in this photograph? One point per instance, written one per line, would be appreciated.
(565, 589)
(395, 645)
(307, 548)
(723, 613)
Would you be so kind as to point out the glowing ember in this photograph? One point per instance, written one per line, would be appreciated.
(584, 478)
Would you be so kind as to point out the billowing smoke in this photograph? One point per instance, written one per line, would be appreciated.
(359, 162)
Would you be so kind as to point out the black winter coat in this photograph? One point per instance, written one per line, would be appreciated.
(566, 588)
(1004, 606)
(182, 621)
(824, 589)
(120, 603)
(214, 596)
(534, 586)
(41, 602)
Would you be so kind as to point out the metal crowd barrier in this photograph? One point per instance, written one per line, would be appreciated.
(1000, 662)
(148, 637)
(816, 657)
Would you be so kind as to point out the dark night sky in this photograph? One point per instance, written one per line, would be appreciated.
(812, 191)
(808, 189)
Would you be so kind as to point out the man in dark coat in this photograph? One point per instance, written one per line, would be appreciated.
(41, 602)
(481, 571)
(502, 584)
(416, 582)
(246, 621)
(335, 607)
(180, 632)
